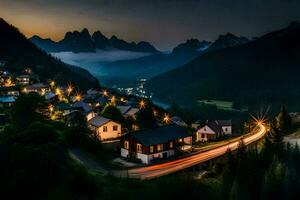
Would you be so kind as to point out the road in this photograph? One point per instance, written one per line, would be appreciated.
(154, 171)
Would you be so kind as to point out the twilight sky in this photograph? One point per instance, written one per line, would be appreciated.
(165, 23)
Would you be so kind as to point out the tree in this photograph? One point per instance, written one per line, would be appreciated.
(276, 137)
(113, 113)
(146, 118)
(283, 121)
(24, 111)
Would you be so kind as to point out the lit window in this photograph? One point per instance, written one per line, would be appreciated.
(171, 144)
(151, 149)
(126, 144)
(159, 147)
(104, 128)
(139, 148)
(115, 128)
(180, 140)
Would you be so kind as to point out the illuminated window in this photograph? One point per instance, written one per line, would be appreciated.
(151, 149)
(115, 128)
(126, 144)
(171, 144)
(139, 148)
(104, 128)
(159, 147)
(180, 140)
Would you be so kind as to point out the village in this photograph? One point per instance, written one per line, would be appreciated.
(113, 118)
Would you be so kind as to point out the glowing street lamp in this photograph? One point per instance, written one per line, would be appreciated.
(155, 113)
(113, 100)
(51, 108)
(69, 89)
(58, 91)
(105, 93)
(52, 83)
(166, 118)
(142, 104)
(78, 97)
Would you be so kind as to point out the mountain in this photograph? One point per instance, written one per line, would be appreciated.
(78, 42)
(192, 46)
(228, 40)
(154, 64)
(83, 42)
(19, 53)
(265, 70)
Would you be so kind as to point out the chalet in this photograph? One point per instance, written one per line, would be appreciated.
(23, 79)
(104, 128)
(158, 143)
(128, 111)
(213, 130)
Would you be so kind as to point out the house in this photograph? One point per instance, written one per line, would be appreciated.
(177, 120)
(40, 88)
(23, 79)
(158, 143)
(9, 91)
(104, 128)
(128, 111)
(85, 108)
(213, 130)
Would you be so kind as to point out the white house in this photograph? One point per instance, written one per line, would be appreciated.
(104, 128)
(213, 130)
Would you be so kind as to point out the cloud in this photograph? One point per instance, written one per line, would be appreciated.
(97, 58)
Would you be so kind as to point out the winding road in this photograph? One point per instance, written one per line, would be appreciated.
(154, 171)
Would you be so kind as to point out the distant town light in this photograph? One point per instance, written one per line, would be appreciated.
(113, 100)
(155, 113)
(58, 91)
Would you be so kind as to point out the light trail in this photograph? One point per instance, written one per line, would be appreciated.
(154, 171)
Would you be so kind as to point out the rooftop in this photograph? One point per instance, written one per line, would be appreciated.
(98, 121)
(161, 134)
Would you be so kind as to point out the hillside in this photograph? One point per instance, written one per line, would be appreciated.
(19, 53)
(262, 71)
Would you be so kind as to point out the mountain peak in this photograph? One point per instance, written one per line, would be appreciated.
(227, 40)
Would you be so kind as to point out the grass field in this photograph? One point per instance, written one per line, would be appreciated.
(221, 105)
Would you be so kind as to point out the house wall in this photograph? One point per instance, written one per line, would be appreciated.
(147, 159)
(110, 134)
(90, 115)
(124, 153)
(227, 130)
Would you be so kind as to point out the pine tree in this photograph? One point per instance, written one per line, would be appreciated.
(283, 121)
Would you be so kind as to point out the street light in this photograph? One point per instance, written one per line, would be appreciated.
(166, 118)
(142, 104)
(69, 89)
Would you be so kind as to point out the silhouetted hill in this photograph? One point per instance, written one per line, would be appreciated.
(228, 40)
(83, 42)
(20, 53)
(264, 70)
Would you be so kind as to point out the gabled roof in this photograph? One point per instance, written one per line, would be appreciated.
(123, 109)
(82, 105)
(98, 121)
(128, 110)
(161, 134)
(215, 127)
